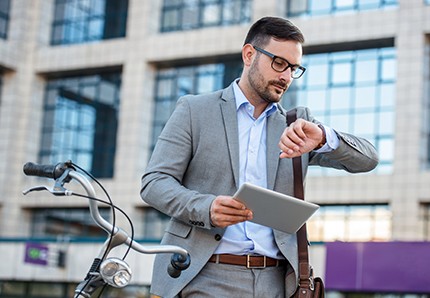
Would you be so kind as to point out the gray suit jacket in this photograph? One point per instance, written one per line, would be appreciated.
(197, 158)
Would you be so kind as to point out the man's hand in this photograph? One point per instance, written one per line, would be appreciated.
(300, 137)
(226, 211)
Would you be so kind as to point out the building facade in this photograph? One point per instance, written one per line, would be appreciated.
(95, 81)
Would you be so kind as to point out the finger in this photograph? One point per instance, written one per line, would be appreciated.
(287, 145)
(296, 133)
(227, 207)
(290, 155)
(222, 220)
(232, 203)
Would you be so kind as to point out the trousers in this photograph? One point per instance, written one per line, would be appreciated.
(223, 280)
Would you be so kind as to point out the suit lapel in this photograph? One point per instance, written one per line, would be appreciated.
(228, 111)
(276, 124)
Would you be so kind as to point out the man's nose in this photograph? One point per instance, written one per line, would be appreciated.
(286, 75)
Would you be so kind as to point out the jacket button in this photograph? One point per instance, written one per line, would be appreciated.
(217, 237)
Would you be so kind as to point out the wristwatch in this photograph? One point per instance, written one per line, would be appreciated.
(324, 137)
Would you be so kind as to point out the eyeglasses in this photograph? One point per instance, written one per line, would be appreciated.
(280, 64)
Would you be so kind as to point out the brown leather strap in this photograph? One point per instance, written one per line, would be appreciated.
(302, 240)
(248, 261)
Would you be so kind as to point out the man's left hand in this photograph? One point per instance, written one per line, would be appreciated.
(299, 138)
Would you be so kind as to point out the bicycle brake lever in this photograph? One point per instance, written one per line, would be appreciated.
(57, 191)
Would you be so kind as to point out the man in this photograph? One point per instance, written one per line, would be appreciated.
(211, 145)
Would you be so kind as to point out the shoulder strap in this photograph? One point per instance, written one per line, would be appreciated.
(302, 241)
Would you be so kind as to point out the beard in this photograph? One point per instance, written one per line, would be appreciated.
(269, 91)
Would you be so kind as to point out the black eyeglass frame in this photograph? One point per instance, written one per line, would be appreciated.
(294, 67)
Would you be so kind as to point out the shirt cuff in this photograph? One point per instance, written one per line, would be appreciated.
(332, 140)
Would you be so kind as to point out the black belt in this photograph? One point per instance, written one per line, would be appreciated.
(249, 261)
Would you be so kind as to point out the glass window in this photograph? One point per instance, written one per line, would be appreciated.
(12, 289)
(71, 222)
(46, 290)
(325, 7)
(350, 223)
(171, 83)
(425, 219)
(15, 289)
(4, 18)
(80, 122)
(155, 224)
(354, 92)
(425, 152)
(180, 15)
(79, 21)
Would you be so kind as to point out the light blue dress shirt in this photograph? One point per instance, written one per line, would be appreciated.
(247, 237)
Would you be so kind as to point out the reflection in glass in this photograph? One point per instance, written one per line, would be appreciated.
(78, 21)
(80, 122)
(4, 18)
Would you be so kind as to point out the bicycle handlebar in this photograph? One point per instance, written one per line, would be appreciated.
(180, 259)
(48, 171)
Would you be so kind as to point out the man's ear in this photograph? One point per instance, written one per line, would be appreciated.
(248, 54)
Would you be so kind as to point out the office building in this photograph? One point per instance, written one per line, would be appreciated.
(94, 81)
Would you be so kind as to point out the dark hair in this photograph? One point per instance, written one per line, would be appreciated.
(272, 27)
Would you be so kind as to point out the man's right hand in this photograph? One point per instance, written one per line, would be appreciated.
(226, 211)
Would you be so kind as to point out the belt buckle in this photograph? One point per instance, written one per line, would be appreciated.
(248, 263)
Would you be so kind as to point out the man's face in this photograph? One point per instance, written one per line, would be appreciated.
(266, 82)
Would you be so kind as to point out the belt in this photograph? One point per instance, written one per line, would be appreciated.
(249, 261)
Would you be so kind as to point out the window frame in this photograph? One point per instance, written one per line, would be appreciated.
(75, 23)
(346, 215)
(5, 18)
(72, 223)
(188, 78)
(382, 133)
(86, 98)
(332, 8)
(199, 9)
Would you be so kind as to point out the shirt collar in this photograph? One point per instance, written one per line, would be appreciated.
(242, 100)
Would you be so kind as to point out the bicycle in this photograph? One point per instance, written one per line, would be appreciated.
(104, 270)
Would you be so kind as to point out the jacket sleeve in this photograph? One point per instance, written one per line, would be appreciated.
(162, 185)
(354, 154)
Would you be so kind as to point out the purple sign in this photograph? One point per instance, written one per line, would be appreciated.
(378, 267)
(36, 253)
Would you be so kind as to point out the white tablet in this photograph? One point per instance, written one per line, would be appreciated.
(275, 210)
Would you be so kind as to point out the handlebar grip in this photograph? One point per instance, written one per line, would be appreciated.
(48, 171)
(177, 264)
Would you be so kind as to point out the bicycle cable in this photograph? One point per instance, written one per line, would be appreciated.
(113, 208)
(131, 232)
